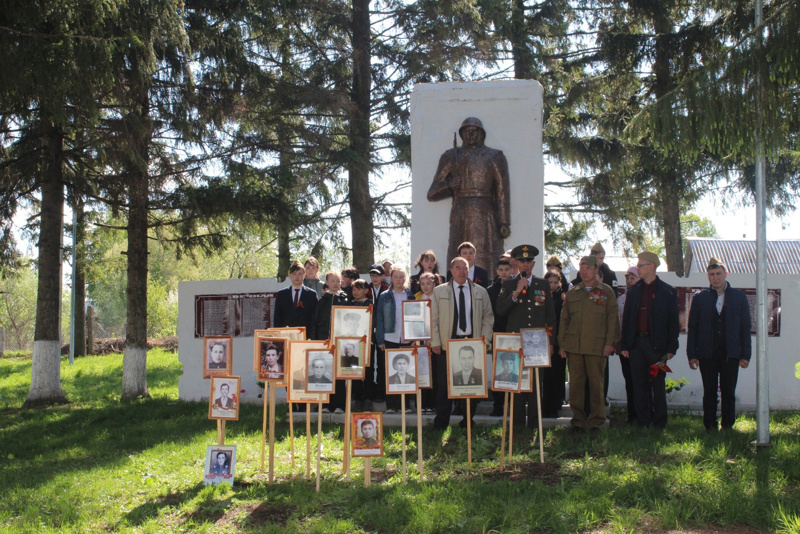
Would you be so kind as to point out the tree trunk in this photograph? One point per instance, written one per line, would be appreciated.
(134, 365)
(671, 210)
(284, 252)
(361, 207)
(668, 180)
(523, 62)
(46, 366)
(79, 281)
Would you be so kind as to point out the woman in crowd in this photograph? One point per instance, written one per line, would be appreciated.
(427, 264)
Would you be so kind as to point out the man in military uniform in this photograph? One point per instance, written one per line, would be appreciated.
(510, 372)
(526, 302)
(367, 438)
(476, 177)
(587, 335)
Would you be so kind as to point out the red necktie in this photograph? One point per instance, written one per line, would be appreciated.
(296, 296)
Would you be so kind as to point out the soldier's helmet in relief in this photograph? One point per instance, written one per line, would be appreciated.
(471, 121)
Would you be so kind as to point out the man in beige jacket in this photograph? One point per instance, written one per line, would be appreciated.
(587, 335)
(460, 310)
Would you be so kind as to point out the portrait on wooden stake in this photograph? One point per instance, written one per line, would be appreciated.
(217, 356)
(223, 401)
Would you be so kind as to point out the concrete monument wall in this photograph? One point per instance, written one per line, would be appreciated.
(191, 384)
(511, 112)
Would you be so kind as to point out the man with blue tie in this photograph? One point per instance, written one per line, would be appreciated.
(460, 309)
(295, 305)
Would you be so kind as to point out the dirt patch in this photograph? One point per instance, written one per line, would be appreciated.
(258, 514)
(548, 473)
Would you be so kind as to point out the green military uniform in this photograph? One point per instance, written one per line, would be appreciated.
(534, 309)
(589, 322)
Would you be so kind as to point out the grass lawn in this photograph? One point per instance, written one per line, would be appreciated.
(102, 465)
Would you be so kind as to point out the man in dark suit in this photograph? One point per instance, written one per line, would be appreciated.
(650, 328)
(468, 375)
(295, 305)
(526, 302)
(719, 343)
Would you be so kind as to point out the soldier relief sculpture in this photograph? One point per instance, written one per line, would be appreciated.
(476, 176)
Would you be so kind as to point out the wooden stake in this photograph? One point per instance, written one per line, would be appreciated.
(403, 430)
(503, 442)
(220, 431)
(319, 440)
(346, 464)
(308, 441)
(539, 413)
(419, 434)
(264, 426)
(469, 433)
(367, 471)
(272, 433)
(510, 426)
(291, 436)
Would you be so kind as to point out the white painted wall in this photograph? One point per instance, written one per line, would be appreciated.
(511, 112)
(782, 352)
(191, 384)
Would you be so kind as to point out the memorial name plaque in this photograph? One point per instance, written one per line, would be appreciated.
(237, 314)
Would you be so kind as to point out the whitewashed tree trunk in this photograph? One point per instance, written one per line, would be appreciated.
(46, 374)
(134, 373)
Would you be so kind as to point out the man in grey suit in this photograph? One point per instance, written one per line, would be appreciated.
(460, 310)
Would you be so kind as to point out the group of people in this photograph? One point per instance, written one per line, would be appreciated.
(587, 321)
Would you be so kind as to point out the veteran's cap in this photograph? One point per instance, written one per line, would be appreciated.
(554, 261)
(713, 263)
(597, 248)
(651, 257)
(589, 260)
(524, 252)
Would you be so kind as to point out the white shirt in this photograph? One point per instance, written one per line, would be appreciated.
(467, 306)
(720, 301)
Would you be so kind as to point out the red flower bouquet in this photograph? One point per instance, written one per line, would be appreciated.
(660, 367)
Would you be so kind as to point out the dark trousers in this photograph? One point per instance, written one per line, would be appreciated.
(625, 365)
(553, 385)
(429, 394)
(650, 396)
(443, 402)
(725, 372)
(370, 386)
(525, 409)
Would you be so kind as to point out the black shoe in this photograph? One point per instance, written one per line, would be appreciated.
(594, 433)
(576, 429)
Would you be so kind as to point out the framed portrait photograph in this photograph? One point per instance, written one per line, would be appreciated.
(526, 380)
(507, 370)
(296, 388)
(223, 401)
(400, 371)
(367, 434)
(292, 333)
(424, 376)
(319, 377)
(352, 321)
(416, 320)
(466, 369)
(535, 347)
(504, 341)
(220, 465)
(271, 359)
(217, 356)
(351, 352)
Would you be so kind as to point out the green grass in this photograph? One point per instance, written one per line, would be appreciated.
(101, 464)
